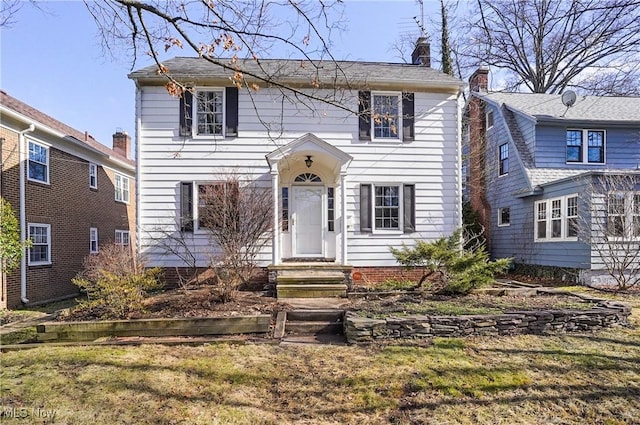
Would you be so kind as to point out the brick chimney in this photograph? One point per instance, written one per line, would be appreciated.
(479, 81)
(422, 52)
(122, 143)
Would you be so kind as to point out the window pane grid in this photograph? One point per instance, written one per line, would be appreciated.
(595, 142)
(330, 209)
(574, 145)
(210, 112)
(387, 207)
(385, 116)
(285, 209)
(38, 162)
(39, 250)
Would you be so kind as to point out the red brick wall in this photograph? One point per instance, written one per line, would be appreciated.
(71, 208)
(371, 275)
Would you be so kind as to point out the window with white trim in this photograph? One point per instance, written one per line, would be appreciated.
(489, 119)
(40, 250)
(209, 112)
(557, 219)
(122, 237)
(503, 157)
(93, 175)
(38, 162)
(623, 215)
(386, 114)
(122, 188)
(504, 216)
(387, 207)
(93, 240)
(585, 146)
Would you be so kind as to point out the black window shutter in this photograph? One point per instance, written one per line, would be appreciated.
(186, 111)
(231, 112)
(408, 131)
(186, 206)
(365, 208)
(364, 115)
(409, 208)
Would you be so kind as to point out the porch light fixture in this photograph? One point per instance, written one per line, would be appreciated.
(308, 161)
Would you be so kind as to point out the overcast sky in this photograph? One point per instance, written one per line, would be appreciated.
(51, 59)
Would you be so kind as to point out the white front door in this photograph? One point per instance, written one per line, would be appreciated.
(307, 220)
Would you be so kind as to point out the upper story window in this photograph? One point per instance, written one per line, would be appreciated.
(623, 214)
(38, 162)
(93, 175)
(209, 112)
(557, 219)
(40, 250)
(122, 188)
(504, 158)
(386, 116)
(585, 146)
(489, 119)
(386, 113)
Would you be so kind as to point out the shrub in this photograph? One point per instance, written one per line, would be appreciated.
(116, 283)
(453, 268)
(11, 248)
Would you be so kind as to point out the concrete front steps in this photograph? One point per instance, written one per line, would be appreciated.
(310, 280)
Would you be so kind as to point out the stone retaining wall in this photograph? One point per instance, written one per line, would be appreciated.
(604, 314)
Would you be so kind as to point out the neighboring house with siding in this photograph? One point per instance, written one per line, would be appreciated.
(537, 171)
(347, 185)
(70, 194)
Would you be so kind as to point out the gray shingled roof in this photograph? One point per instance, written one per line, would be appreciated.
(326, 73)
(550, 106)
(48, 121)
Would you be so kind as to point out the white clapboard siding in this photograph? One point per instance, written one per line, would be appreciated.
(165, 159)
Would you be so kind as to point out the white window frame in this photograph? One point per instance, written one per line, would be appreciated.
(584, 146)
(93, 240)
(630, 215)
(122, 188)
(93, 175)
(556, 210)
(374, 227)
(501, 171)
(490, 119)
(45, 164)
(194, 130)
(120, 236)
(502, 223)
(399, 124)
(47, 227)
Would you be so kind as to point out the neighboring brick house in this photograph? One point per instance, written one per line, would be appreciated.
(75, 195)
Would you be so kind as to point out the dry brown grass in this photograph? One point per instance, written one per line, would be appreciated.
(571, 379)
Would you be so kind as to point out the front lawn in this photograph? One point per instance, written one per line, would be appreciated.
(591, 378)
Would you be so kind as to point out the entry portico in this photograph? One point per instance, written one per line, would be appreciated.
(309, 180)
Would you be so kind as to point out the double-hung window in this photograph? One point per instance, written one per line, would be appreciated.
(40, 250)
(122, 188)
(585, 146)
(209, 112)
(557, 219)
(386, 114)
(504, 159)
(504, 217)
(93, 240)
(623, 215)
(93, 175)
(38, 162)
(387, 207)
(122, 237)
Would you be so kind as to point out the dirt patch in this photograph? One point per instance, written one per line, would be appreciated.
(196, 302)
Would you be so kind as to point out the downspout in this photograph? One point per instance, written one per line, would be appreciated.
(22, 154)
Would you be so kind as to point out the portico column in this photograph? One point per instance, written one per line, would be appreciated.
(343, 199)
(275, 243)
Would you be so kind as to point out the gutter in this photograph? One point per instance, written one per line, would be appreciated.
(22, 154)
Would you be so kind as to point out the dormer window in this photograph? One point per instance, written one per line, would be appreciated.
(585, 146)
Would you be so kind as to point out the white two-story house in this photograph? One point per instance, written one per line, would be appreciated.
(360, 157)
